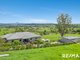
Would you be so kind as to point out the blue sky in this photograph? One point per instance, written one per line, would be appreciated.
(38, 11)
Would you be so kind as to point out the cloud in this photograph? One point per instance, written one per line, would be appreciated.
(8, 17)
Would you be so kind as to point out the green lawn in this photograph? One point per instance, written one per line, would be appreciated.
(52, 37)
(50, 53)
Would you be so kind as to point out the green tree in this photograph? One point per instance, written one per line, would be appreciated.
(19, 29)
(45, 32)
(64, 23)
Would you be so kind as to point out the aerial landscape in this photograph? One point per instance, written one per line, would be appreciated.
(39, 30)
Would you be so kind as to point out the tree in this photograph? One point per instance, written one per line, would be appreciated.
(64, 23)
(19, 29)
(45, 32)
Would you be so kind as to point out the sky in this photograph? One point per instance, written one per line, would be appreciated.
(38, 11)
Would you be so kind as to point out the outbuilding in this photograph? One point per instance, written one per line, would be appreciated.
(70, 39)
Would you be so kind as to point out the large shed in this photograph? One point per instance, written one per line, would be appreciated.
(70, 39)
(22, 36)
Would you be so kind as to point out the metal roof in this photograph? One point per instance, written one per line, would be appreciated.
(70, 39)
(66, 41)
(20, 35)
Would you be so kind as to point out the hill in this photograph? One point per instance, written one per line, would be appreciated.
(50, 53)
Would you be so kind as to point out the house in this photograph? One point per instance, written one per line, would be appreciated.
(24, 37)
(70, 39)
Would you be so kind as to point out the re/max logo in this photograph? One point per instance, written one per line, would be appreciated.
(70, 55)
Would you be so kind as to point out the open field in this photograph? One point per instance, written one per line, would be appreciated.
(50, 53)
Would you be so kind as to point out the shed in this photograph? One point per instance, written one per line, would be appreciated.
(70, 39)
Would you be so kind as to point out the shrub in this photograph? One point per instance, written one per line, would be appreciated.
(29, 46)
(20, 47)
(47, 44)
(5, 48)
(16, 42)
(1, 41)
(38, 42)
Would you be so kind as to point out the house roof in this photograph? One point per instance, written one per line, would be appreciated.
(20, 35)
(66, 41)
(70, 39)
